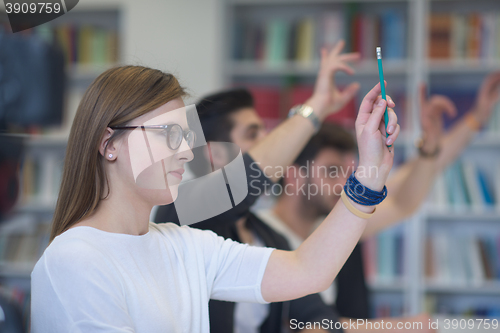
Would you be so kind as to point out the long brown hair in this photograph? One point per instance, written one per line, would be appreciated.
(116, 97)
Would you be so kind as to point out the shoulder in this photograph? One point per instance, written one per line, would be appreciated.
(184, 234)
(71, 251)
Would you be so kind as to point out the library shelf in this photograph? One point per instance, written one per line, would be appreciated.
(448, 215)
(261, 69)
(486, 288)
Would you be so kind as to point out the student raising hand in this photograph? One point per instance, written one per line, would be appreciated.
(312, 267)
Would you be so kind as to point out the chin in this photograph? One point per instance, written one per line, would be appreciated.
(160, 197)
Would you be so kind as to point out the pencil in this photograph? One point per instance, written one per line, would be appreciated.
(382, 87)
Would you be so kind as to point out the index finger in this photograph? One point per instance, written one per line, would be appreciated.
(337, 48)
(444, 104)
(367, 103)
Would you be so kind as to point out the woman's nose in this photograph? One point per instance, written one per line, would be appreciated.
(184, 151)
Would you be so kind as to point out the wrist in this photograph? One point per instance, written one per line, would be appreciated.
(427, 148)
(317, 107)
(373, 183)
(359, 210)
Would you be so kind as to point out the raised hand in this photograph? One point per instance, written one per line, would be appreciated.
(487, 96)
(431, 118)
(375, 158)
(327, 98)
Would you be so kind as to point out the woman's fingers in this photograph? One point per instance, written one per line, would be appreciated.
(391, 138)
(393, 121)
(390, 102)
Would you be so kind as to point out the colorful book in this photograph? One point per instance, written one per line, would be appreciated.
(276, 45)
(440, 36)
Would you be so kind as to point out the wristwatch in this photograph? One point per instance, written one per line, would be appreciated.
(307, 112)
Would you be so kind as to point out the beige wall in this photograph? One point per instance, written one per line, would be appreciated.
(178, 36)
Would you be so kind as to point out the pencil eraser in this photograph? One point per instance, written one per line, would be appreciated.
(379, 52)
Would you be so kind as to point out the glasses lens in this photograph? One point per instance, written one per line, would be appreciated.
(174, 137)
(190, 138)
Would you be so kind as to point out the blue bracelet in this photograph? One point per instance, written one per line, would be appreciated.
(362, 195)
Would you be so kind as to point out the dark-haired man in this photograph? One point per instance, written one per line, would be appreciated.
(232, 117)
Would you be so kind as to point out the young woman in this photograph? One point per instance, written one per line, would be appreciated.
(108, 269)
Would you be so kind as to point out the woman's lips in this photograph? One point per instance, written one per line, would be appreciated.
(177, 173)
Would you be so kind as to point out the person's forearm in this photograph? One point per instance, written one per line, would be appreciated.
(313, 266)
(282, 146)
(404, 196)
(415, 187)
(453, 144)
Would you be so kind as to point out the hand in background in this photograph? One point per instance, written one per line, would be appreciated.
(431, 117)
(327, 98)
(372, 141)
(487, 96)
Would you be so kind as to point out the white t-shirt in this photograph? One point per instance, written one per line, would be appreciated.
(89, 280)
(248, 317)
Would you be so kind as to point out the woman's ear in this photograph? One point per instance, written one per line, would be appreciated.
(108, 149)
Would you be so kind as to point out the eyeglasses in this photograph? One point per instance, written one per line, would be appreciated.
(174, 134)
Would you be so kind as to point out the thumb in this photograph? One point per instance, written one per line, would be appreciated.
(350, 91)
(348, 94)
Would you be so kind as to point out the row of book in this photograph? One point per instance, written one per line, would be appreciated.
(439, 307)
(464, 36)
(40, 179)
(383, 257)
(463, 260)
(88, 44)
(466, 187)
(83, 44)
(279, 40)
(387, 308)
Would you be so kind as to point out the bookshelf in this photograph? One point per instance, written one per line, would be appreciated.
(90, 39)
(276, 72)
(462, 65)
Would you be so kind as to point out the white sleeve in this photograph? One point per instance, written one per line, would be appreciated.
(75, 289)
(235, 270)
